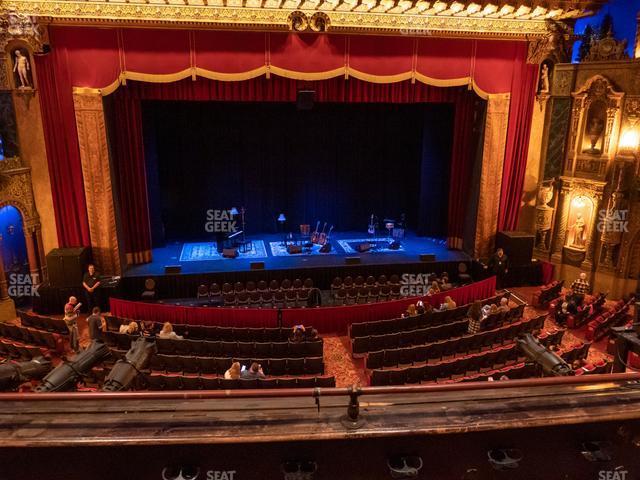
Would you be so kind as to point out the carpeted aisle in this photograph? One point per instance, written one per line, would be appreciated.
(338, 362)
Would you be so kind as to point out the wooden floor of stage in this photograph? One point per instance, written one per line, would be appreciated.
(412, 247)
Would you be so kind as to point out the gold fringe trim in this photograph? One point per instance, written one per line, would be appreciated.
(266, 70)
(136, 258)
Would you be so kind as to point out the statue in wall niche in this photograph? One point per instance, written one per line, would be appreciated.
(21, 68)
(594, 130)
(579, 227)
(544, 78)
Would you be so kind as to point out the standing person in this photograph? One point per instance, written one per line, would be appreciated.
(475, 315)
(90, 283)
(71, 319)
(96, 323)
(499, 266)
(580, 287)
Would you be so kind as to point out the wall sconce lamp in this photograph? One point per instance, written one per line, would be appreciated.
(629, 140)
(579, 201)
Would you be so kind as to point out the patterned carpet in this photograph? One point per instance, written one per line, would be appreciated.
(279, 250)
(380, 245)
(196, 252)
(338, 362)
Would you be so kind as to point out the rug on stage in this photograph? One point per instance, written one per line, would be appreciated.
(279, 250)
(197, 252)
(380, 245)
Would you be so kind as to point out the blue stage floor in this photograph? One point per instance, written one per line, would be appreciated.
(200, 257)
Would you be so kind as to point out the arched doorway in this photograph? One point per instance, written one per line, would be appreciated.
(13, 249)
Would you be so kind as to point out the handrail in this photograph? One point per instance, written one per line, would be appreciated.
(324, 392)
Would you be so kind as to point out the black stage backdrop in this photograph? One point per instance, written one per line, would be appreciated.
(337, 163)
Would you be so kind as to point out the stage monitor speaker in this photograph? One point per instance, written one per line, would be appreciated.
(395, 245)
(352, 260)
(172, 269)
(66, 266)
(230, 252)
(517, 245)
(256, 265)
(305, 99)
(326, 248)
(363, 247)
(427, 257)
(293, 249)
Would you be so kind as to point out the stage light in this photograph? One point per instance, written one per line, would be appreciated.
(234, 211)
(126, 370)
(629, 140)
(551, 363)
(12, 374)
(282, 218)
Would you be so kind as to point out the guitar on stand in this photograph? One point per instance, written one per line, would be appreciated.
(325, 241)
(315, 234)
(321, 234)
(371, 230)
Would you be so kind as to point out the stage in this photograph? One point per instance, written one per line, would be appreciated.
(200, 264)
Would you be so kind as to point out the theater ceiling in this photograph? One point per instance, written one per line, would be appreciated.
(467, 18)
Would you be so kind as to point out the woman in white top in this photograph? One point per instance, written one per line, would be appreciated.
(167, 332)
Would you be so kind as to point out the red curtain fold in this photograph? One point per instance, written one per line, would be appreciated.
(129, 150)
(523, 90)
(63, 153)
(325, 319)
(131, 178)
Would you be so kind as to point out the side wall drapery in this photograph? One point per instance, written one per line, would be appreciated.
(523, 90)
(130, 174)
(63, 154)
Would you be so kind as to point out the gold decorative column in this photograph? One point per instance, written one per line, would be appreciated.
(94, 155)
(493, 152)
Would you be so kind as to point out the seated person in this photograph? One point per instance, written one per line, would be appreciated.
(411, 311)
(233, 373)
(562, 313)
(130, 329)
(422, 308)
(489, 310)
(475, 316)
(504, 305)
(444, 282)
(255, 371)
(297, 334)
(448, 304)
(311, 335)
(168, 333)
(433, 289)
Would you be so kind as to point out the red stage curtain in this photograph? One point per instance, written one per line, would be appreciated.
(63, 154)
(131, 178)
(324, 319)
(523, 89)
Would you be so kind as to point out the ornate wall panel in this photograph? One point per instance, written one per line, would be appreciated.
(495, 137)
(558, 128)
(97, 180)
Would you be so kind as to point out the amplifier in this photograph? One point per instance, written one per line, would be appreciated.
(66, 266)
(292, 248)
(517, 245)
(230, 252)
(363, 247)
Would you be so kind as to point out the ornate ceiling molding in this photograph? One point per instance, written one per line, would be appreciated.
(521, 19)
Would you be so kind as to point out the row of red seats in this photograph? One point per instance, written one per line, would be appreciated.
(578, 351)
(618, 315)
(466, 344)
(183, 382)
(49, 324)
(547, 294)
(219, 365)
(379, 327)
(33, 336)
(20, 351)
(211, 348)
(601, 366)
